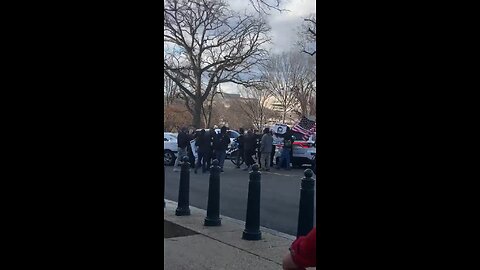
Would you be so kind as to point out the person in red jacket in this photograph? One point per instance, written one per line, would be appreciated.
(303, 252)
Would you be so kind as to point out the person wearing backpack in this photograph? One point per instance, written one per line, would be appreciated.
(249, 149)
(203, 143)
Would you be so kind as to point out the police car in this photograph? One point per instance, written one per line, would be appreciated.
(170, 148)
(304, 152)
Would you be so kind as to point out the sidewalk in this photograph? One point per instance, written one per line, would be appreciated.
(219, 247)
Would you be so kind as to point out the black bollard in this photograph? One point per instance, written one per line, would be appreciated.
(183, 208)
(252, 223)
(164, 169)
(213, 205)
(306, 209)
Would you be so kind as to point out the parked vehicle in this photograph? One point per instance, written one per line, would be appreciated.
(170, 148)
(304, 152)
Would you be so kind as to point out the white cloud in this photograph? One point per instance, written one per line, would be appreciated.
(229, 87)
(285, 26)
(300, 8)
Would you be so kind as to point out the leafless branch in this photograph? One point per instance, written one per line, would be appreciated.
(264, 6)
(308, 35)
(291, 79)
(208, 45)
(254, 104)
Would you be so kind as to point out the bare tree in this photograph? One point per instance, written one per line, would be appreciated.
(236, 118)
(303, 77)
(208, 110)
(208, 44)
(254, 105)
(308, 35)
(279, 78)
(175, 116)
(264, 6)
(170, 90)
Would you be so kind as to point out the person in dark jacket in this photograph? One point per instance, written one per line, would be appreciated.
(258, 153)
(210, 135)
(221, 142)
(240, 140)
(203, 143)
(191, 136)
(249, 148)
(182, 143)
(287, 149)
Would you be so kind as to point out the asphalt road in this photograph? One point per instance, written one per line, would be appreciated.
(279, 198)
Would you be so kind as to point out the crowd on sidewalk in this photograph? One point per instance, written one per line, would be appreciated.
(252, 148)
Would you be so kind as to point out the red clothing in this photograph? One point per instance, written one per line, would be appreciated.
(304, 250)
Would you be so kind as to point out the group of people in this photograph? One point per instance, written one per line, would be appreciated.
(263, 147)
(210, 146)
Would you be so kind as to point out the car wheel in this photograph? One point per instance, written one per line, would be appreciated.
(169, 158)
(233, 158)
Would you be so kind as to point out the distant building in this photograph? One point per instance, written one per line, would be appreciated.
(274, 105)
(227, 99)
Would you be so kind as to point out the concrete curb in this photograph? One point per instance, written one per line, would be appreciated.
(172, 205)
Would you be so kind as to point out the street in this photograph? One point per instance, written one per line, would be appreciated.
(280, 194)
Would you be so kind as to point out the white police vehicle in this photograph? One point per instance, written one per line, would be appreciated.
(170, 148)
(304, 152)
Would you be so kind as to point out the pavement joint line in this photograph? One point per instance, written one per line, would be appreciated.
(282, 174)
(249, 252)
(241, 222)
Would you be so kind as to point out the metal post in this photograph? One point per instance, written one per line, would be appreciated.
(164, 169)
(252, 223)
(183, 208)
(306, 209)
(213, 206)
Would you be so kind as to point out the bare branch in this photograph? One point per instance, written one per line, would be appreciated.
(310, 53)
(254, 105)
(308, 35)
(291, 79)
(208, 44)
(264, 6)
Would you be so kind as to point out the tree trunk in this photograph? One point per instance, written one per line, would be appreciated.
(197, 113)
(210, 108)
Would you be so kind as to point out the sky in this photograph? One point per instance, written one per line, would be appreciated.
(284, 26)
